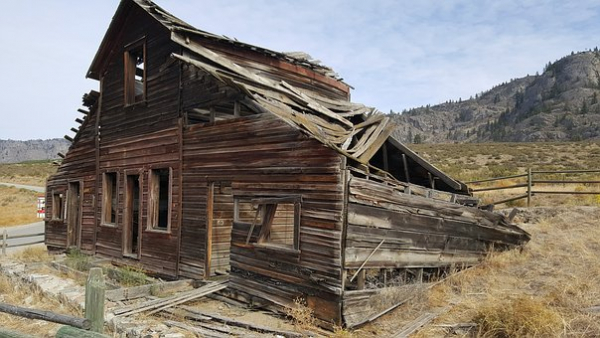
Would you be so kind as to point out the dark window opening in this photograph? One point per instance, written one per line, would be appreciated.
(160, 191)
(109, 199)
(135, 74)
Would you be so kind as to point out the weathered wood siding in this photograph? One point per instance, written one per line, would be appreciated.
(79, 165)
(139, 137)
(159, 111)
(222, 223)
(262, 156)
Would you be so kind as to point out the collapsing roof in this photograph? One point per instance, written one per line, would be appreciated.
(352, 129)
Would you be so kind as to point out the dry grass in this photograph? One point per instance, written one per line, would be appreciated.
(30, 173)
(37, 253)
(473, 161)
(542, 291)
(18, 293)
(301, 316)
(18, 206)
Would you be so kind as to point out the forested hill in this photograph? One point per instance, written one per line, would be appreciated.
(562, 103)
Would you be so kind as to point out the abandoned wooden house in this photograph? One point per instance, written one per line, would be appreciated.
(202, 155)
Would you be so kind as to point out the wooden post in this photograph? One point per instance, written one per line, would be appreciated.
(405, 164)
(94, 299)
(4, 244)
(529, 179)
(360, 281)
(236, 109)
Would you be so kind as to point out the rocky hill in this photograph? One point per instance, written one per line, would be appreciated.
(560, 104)
(18, 151)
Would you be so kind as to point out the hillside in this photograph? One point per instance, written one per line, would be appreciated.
(560, 104)
(12, 151)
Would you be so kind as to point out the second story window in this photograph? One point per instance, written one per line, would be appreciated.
(135, 73)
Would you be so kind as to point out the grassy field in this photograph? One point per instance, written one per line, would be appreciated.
(469, 162)
(474, 161)
(30, 173)
(18, 206)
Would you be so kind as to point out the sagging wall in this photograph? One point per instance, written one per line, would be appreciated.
(260, 157)
(394, 234)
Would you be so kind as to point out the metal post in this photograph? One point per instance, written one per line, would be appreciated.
(4, 236)
(528, 187)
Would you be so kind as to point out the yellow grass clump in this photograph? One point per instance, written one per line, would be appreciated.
(520, 317)
(37, 253)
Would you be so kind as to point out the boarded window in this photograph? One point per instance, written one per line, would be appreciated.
(109, 198)
(135, 73)
(58, 206)
(159, 206)
(277, 221)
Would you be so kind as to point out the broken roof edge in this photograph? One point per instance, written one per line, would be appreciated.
(312, 118)
(174, 24)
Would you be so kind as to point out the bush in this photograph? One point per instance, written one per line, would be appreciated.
(520, 317)
(78, 260)
(131, 276)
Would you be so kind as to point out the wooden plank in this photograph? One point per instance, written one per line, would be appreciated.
(242, 324)
(196, 330)
(164, 303)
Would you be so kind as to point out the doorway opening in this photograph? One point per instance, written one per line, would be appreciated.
(73, 215)
(131, 232)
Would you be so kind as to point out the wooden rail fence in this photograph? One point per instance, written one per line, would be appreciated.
(531, 181)
(5, 237)
(89, 327)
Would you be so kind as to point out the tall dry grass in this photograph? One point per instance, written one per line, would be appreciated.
(17, 206)
(541, 291)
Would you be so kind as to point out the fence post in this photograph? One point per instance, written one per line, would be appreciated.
(94, 299)
(4, 244)
(529, 179)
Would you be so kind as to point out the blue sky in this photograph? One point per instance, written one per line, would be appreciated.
(397, 54)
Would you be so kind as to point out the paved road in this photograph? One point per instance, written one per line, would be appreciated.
(27, 229)
(22, 186)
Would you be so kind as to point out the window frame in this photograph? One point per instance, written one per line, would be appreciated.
(129, 72)
(61, 197)
(154, 201)
(262, 240)
(107, 203)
